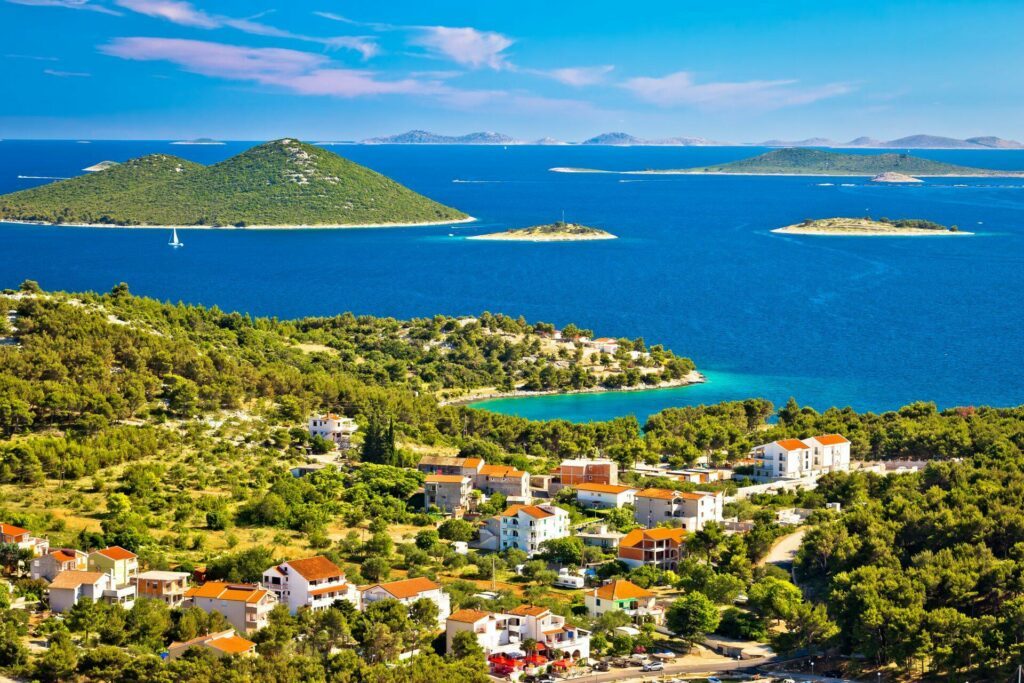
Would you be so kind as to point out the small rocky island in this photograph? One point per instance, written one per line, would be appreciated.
(869, 227)
(893, 177)
(558, 231)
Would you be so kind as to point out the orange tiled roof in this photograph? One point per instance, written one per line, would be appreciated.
(635, 536)
(407, 588)
(232, 645)
(315, 568)
(534, 511)
(11, 530)
(602, 488)
(831, 439)
(529, 611)
(791, 444)
(74, 579)
(468, 616)
(621, 590)
(664, 494)
(501, 471)
(62, 556)
(472, 462)
(116, 552)
(604, 340)
(232, 592)
(444, 479)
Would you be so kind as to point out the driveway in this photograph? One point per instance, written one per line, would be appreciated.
(783, 552)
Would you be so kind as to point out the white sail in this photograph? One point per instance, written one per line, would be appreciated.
(175, 242)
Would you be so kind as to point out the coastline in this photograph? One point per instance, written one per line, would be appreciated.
(995, 174)
(694, 377)
(908, 232)
(467, 219)
(505, 237)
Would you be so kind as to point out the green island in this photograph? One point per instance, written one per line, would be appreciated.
(559, 231)
(815, 162)
(283, 183)
(175, 432)
(869, 227)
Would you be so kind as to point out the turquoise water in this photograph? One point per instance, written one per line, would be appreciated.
(872, 323)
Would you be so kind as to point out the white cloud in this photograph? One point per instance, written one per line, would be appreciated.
(466, 46)
(680, 88)
(186, 14)
(578, 76)
(66, 74)
(68, 4)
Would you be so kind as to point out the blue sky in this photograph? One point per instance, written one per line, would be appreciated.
(326, 69)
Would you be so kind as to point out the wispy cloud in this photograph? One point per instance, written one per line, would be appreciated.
(300, 72)
(186, 14)
(466, 46)
(36, 58)
(578, 76)
(68, 4)
(66, 74)
(681, 89)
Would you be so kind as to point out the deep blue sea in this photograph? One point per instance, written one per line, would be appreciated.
(872, 323)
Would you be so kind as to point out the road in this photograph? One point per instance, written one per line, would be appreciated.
(783, 552)
(712, 666)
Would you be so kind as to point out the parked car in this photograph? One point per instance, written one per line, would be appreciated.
(653, 666)
(602, 666)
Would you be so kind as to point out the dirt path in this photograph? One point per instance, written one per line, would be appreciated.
(783, 552)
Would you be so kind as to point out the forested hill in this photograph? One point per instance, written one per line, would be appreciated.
(280, 183)
(818, 162)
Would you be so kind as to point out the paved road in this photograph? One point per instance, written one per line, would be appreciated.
(783, 552)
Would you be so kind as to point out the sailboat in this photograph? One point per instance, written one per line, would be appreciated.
(174, 241)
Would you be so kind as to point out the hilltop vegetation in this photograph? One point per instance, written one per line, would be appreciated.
(869, 226)
(281, 183)
(818, 162)
(558, 231)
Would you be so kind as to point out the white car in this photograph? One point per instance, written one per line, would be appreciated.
(653, 666)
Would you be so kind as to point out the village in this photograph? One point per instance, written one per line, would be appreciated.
(525, 641)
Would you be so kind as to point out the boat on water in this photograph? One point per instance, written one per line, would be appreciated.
(174, 241)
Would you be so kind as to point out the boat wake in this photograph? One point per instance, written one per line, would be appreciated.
(42, 177)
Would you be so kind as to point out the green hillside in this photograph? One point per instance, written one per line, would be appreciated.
(818, 162)
(283, 182)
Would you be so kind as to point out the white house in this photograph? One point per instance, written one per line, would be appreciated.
(798, 458)
(312, 583)
(595, 496)
(68, 587)
(65, 559)
(504, 633)
(527, 526)
(408, 591)
(606, 345)
(334, 428)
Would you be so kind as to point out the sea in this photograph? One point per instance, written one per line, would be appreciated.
(868, 322)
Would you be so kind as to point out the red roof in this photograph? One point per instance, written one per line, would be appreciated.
(831, 439)
(11, 530)
(116, 552)
(407, 588)
(791, 444)
(315, 568)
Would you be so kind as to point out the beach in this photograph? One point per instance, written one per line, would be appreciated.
(468, 219)
(694, 377)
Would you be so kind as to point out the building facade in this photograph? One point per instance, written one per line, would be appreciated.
(245, 606)
(626, 596)
(603, 496)
(10, 534)
(448, 492)
(526, 527)
(334, 428)
(689, 509)
(63, 560)
(799, 458)
(68, 587)
(312, 583)
(661, 547)
(121, 566)
(588, 471)
(505, 480)
(167, 587)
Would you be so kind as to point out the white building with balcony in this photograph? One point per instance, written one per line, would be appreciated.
(800, 458)
(527, 526)
(334, 428)
(312, 583)
(691, 510)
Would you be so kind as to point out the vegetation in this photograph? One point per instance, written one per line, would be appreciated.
(283, 182)
(868, 226)
(559, 231)
(818, 162)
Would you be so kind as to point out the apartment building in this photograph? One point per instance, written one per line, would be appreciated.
(661, 547)
(311, 583)
(526, 527)
(246, 607)
(167, 587)
(689, 509)
(408, 591)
